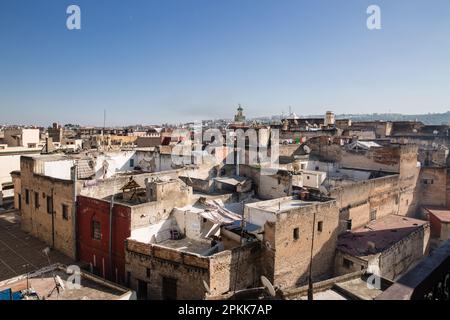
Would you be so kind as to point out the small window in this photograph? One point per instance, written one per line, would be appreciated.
(349, 224)
(302, 166)
(148, 272)
(320, 226)
(27, 196)
(96, 230)
(65, 212)
(296, 234)
(131, 163)
(36, 200)
(307, 177)
(317, 168)
(49, 205)
(347, 263)
(373, 215)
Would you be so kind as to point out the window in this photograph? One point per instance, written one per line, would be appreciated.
(349, 224)
(148, 272)
(347, 263)
(373, 215)
(49, 205)
(296, 234)
(36, 200)
(96, 230)
(27, 196)
(131, 162)
(65, 212)
(302, 166)
(320, 226)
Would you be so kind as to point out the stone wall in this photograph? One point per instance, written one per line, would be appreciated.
(402, 255)
(433, 183)
(285, 259)
(380, 196)
(151, 263)
(53, 229)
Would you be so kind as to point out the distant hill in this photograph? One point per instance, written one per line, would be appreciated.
(429, 118)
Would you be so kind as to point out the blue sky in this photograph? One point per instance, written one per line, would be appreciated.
(153, 61)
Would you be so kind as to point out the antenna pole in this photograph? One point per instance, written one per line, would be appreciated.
(310, 282)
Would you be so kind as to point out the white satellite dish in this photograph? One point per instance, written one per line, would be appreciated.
(268, 285)
(206, 286)
(60, 282)
(46, 251)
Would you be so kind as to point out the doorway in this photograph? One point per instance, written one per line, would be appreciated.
(169, 288)
(142, 290)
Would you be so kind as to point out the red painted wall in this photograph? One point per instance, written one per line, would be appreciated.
(90, 209)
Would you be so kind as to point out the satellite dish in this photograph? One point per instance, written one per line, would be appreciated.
(60, 282)
(323, 190)
(46, 251)
(268, 285)
(206, 287)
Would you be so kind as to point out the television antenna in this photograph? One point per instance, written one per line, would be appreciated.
(59, 284)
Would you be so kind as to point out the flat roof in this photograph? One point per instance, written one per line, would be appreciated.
(443, 214)
(187, 245)
(43, 283)
(19, 150)
(234, 180)
(279, 205)
(382, 233)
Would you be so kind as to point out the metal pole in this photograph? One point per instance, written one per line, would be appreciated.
(74, 212)
(310, 282)
(26, 269)
(52, 212)
(110, 237)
